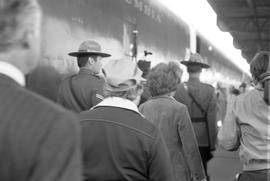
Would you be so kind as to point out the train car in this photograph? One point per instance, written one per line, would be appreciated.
(124, 28)
(222, 69)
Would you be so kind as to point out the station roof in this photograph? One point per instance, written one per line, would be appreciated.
(248, 21)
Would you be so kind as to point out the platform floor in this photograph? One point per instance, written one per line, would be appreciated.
(224, 165)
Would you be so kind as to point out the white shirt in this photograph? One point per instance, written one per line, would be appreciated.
(247, 126)
(12, 72)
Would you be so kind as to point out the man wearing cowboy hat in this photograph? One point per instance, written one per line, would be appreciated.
(200, 100)
(84, 90)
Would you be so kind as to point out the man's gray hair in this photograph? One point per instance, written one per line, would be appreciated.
(18, 17)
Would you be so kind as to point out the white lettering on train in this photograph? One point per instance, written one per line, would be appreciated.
(146, 9)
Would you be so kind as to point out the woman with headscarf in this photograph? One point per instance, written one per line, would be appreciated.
(172, 118)
(246, 125)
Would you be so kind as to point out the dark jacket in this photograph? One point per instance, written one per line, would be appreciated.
(38, 139)
(87, 91)
(119, 144)
(205, 96)
(172, 118)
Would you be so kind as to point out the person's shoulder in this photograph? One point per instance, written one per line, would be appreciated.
(68, 77)
(253, 95)
(207, 86)
(46, 108)
(94, 79)
(180, 105)
(149, 129)
(65, 80)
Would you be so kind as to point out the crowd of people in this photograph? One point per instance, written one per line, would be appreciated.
(101, 129)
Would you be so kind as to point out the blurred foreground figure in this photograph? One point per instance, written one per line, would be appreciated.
(200, 100)
(246, 125)
(84, 90)
(118, 143)
(172, 118)
(38, 139)
(145, 68)
(221, 94)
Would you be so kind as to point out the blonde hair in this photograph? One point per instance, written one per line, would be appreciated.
(16, 18)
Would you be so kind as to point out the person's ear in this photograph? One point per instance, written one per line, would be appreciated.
(29, 40)
(91, 60)
(26, 40)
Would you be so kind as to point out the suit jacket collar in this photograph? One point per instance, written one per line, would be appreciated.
(6, 80)
(194, 79)
(85, 71)
(12, 72)
(164, 97)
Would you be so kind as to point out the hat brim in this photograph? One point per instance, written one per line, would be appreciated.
(189, 63)
(76, 54)
(121, 88)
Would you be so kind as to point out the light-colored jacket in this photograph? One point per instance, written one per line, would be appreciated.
(172, 118)
(246, 125)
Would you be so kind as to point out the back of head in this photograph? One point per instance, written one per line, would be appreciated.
(19, 26)
(260, 70)
(195, 63)
(144, 66)
(164, 78)
(192, 69)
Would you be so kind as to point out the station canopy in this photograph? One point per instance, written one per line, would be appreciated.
(248, 21)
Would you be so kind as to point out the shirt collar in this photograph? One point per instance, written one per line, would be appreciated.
(118, 102)
(88, 71)
(194, 79)
(164, 96)
(12, 72)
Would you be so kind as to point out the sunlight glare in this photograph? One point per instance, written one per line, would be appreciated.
(200, 15)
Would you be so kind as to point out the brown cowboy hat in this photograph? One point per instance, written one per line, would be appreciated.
(88, 48)
(195, 59)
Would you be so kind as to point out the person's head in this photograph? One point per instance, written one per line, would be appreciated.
(195, 64)
(144, 66)
(164, 78)
(234, 91)
(90, 55)
(123, 79)
(94, 63)
(242, 87)
(260, 71)
(20, 22)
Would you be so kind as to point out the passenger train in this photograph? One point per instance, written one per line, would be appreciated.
(124, 28)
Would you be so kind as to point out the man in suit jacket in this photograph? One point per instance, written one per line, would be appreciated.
(200, 100)
(84, 90)
(38, 140)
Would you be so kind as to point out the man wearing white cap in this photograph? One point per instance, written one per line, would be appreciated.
(82, 91)
(118, 143)
(200, 100)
